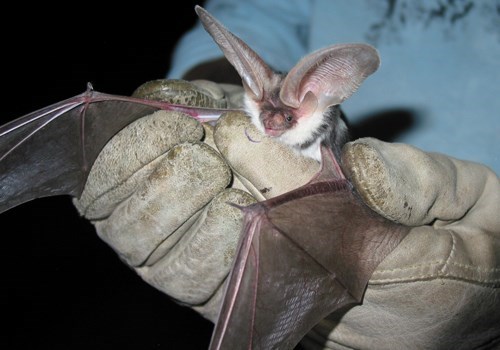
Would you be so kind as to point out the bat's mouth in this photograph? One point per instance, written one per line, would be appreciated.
(273, 132)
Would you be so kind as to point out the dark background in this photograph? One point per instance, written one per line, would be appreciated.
(61, 287)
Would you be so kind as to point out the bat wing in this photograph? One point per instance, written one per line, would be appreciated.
(303, 255)
(50, 151)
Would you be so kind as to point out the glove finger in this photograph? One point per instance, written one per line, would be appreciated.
(184, 180)
(204, 253)
(413, 187)
(182, 92)
(130, 156)
(264, 165)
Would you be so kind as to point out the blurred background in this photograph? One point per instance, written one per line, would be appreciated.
(61, 287)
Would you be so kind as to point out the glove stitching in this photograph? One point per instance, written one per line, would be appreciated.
(440, 274)
(444, 267)
(446, 264)
(494, 282)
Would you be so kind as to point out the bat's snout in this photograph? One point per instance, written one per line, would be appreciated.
(275, 124)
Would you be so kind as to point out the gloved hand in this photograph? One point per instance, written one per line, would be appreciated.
(158, 196)
(439, 289)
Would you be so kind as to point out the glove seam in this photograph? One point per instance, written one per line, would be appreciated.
(439, 262)
(442, 269)
(492, 283)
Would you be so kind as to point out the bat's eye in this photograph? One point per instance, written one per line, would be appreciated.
(288, 118)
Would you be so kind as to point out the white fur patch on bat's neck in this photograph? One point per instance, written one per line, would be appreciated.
(313, 150)
(303, 133)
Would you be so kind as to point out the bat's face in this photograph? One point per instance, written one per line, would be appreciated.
(297, 127)
(270, 115)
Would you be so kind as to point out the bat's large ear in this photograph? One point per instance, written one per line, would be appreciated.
(329, 75)
(253, 71)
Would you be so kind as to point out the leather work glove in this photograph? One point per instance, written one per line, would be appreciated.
(440, 288)
(158, 196)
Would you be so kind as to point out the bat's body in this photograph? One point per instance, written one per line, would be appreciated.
(301, 107)
(317, 246)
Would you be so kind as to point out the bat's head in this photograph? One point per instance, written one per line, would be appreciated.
(299, 107)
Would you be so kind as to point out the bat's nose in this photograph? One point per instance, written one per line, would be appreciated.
(274, 122)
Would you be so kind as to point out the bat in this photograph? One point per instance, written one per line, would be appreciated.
(300, 108)
(309, 252)
(50, 151)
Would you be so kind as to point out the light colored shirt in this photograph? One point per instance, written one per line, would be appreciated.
(440, 61)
